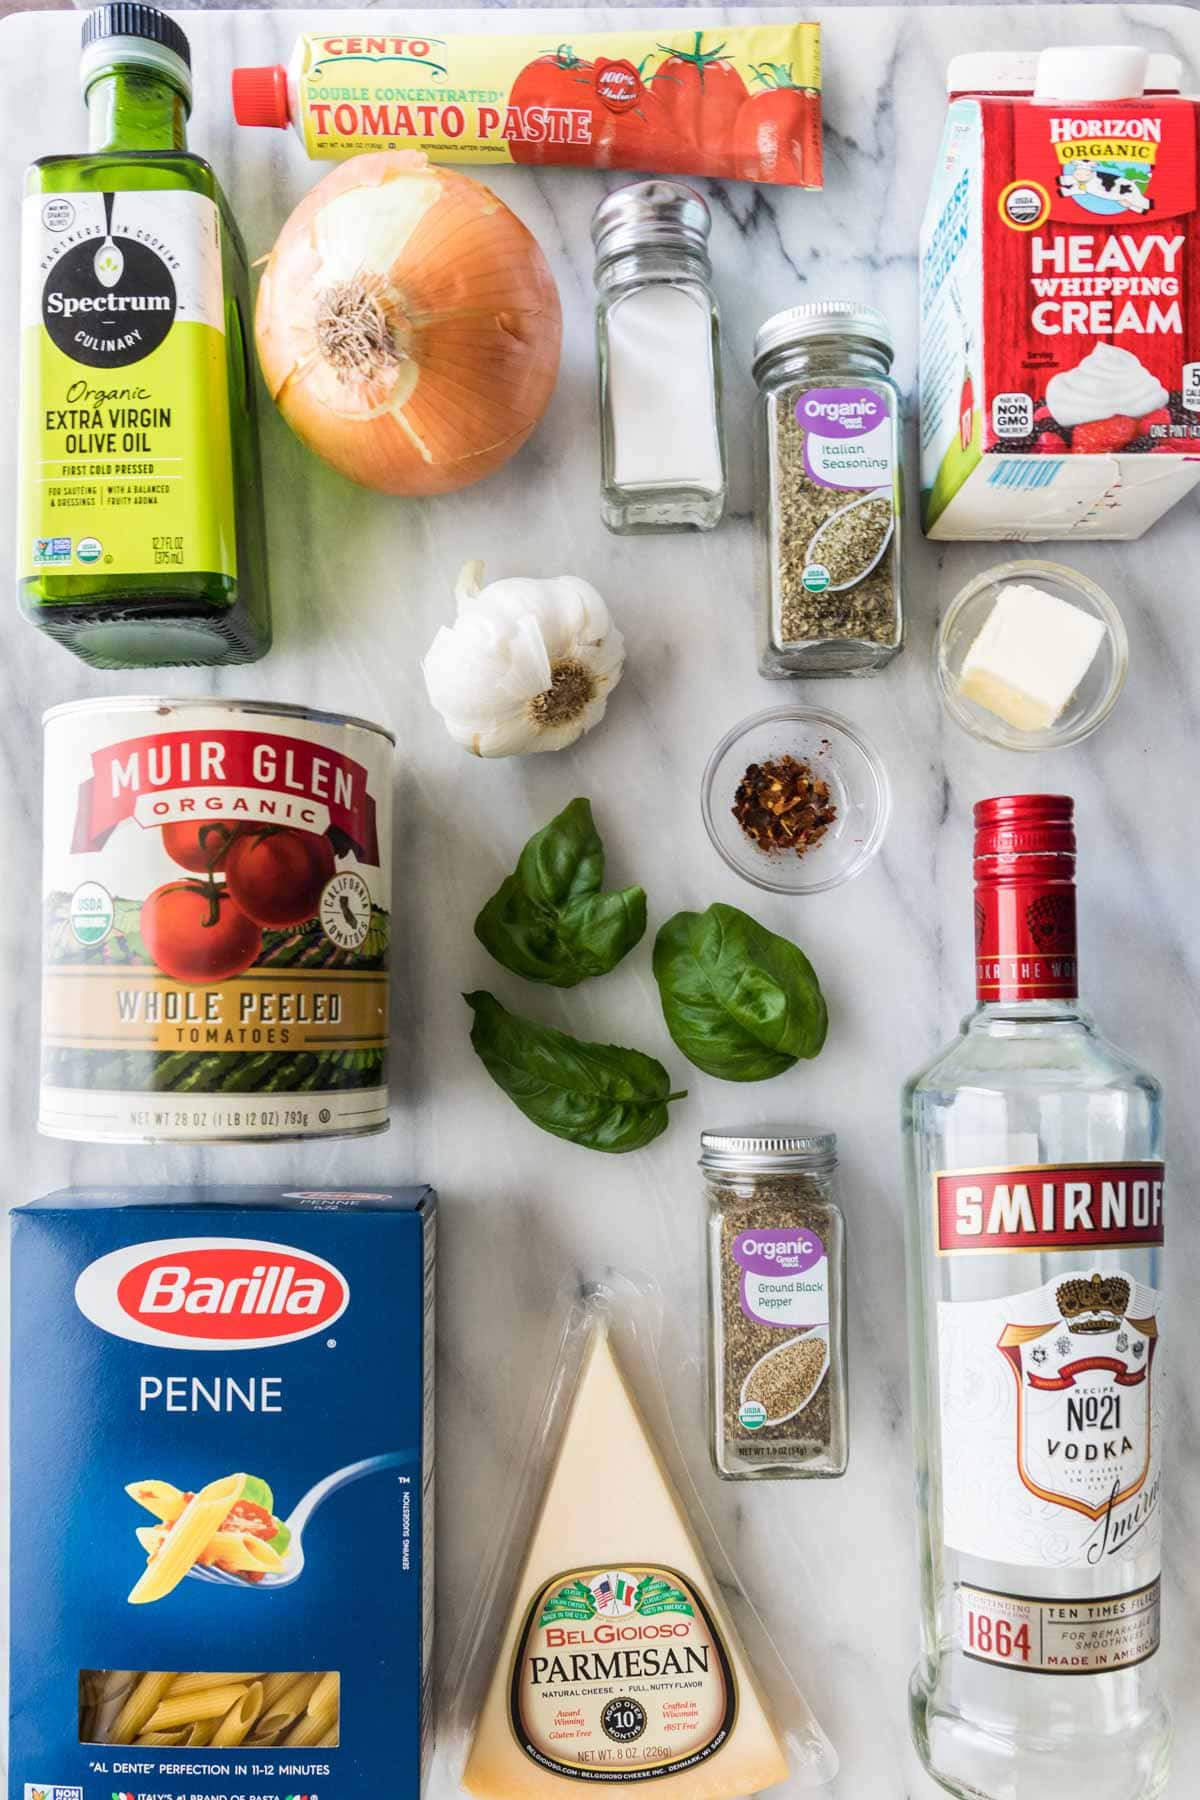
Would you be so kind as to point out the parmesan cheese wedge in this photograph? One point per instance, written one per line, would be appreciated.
(619, 1656)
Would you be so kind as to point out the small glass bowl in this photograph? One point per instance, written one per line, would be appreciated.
(1097, 693)
(834, 750)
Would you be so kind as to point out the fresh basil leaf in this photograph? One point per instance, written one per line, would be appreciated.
(598, 1095)
(549, 921)
(740, 1002)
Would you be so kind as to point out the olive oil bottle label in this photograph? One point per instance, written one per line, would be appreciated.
(621, 1675)
(126, 454)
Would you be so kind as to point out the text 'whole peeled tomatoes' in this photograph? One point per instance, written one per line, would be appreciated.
(216, 906)
(740, 102)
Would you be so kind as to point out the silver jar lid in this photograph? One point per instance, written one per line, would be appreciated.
(768, 1150)
(646, 213)
(821, 319)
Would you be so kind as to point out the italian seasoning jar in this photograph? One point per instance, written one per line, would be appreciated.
(827, 491)
(658, 344)
(777, 1304)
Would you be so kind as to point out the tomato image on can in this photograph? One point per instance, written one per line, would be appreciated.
(277, 875)
(217, 893)
(195, 932)
(200, 847)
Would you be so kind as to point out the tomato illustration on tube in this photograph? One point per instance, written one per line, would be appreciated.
(699, 94)
(777, 134)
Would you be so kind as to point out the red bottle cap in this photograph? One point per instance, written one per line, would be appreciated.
(1024, 825)
(1025, 898)
(260, 96)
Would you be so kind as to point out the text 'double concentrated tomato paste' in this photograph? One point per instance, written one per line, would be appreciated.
(739, 102)
(216, 915)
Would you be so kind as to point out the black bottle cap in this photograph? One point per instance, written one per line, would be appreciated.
(127, 18)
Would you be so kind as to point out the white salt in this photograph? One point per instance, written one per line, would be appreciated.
(662, 390)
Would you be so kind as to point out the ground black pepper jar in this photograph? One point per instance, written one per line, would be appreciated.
(828, 491)
(777, 1304)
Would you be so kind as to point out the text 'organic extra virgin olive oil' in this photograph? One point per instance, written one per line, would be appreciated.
(140, 534)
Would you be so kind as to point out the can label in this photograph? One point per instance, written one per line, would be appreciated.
(216, 924)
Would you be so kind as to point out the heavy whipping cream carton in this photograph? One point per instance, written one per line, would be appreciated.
(1060, 303)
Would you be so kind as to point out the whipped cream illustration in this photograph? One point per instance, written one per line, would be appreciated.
(1109, 380)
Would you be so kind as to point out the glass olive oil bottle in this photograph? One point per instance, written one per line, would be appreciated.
(140, 534)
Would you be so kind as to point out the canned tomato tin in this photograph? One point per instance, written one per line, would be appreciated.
(216, 906)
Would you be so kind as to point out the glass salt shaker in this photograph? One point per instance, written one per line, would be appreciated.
(659, 356)
(777, 1385)
(828, 493)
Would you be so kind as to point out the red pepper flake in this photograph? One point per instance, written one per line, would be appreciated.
(781, 805)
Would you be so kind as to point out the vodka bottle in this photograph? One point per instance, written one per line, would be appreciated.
(1034, 1260)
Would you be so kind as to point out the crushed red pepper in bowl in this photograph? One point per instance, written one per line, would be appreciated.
(782, 806)
(824, 821)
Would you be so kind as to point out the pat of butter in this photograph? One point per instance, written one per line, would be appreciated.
(1030, 657)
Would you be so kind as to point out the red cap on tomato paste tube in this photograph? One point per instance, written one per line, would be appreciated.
(260, 96)
(1025, 898)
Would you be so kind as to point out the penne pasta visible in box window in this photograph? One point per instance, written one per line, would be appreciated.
(230, 1392)
(217, 1711)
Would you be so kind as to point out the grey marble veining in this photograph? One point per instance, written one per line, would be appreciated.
(360, 584)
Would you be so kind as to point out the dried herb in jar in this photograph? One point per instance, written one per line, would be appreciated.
(776, 1282)
(840, 531)
(781, 805)
(849, 543)
(783, 1380)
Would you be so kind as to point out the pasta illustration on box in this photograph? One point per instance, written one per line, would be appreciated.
(229, 1525)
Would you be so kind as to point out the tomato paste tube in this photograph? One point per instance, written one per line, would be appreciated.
(739, 102)
(217, 891)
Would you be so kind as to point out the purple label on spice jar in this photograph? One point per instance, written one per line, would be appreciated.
(840, 412)
(848, 437)
(777, 1253)
(784, 1277)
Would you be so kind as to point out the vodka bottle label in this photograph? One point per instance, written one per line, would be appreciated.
(1059, 1637)
(1080, 1207)
(1051, 1419)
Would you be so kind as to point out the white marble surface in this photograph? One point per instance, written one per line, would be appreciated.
(360, 584)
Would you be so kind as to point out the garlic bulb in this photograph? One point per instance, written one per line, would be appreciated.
(527, 665)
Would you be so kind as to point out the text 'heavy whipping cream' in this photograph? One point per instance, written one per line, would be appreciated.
(1060, 302)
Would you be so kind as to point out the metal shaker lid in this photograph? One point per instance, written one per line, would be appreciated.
(661, 213)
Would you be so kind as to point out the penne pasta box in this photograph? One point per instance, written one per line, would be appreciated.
(222, 1477)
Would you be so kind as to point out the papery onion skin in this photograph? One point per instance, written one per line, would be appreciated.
(472, 310)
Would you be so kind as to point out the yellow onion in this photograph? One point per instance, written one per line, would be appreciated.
(408, 325)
